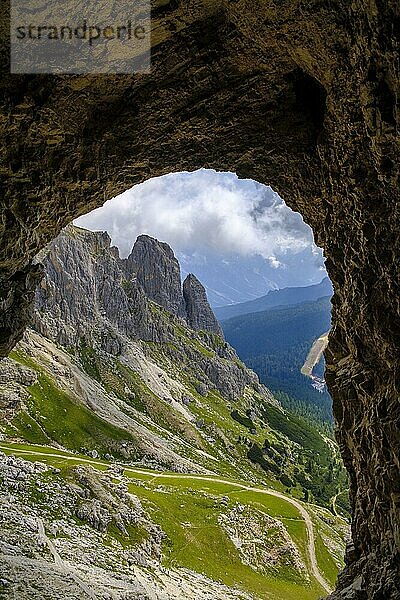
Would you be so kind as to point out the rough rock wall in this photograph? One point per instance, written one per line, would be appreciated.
(301, 96)
(199, 313)
(157, 271)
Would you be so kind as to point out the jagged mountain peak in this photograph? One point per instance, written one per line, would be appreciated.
(198, 310)
(110, 285)
(157, 271)
(89, 293)
(153, 243)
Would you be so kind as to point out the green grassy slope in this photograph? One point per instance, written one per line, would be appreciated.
(52, 415)
(248, 439)
(188, 510)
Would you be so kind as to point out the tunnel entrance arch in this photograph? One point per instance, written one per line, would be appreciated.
(300, 98)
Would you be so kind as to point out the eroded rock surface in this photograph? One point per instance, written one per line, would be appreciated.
(198, 311)
(155, 268)
(58, 540)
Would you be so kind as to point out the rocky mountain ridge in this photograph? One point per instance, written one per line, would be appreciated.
(152, 264)
(89, 295)
(88, 287)
(120, 344)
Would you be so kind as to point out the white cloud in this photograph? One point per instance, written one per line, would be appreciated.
(204, 211)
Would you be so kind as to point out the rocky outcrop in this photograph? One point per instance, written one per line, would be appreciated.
(101, 507)
(88, 292)
(14, 378)
(85, 295)
(156, 270)
(199, 313)
(90, 296)
(154, 267)
(300, 96)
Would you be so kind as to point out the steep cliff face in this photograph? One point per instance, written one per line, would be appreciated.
(154, 266)
(88, 291)
(85, 294)
(301, 96)
(198, 311)
(90, 295)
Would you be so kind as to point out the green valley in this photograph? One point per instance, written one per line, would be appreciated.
(134, 437)
(191, 509)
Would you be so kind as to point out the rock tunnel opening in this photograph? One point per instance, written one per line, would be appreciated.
(69, 142)
(227, 232)
(342, 416)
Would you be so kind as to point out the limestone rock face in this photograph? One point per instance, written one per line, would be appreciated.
(90, 296)
(300, 96)
(88, 288)
(13, 379)
(85, 295)
(198, 310)
(155, 268)
(16, 298)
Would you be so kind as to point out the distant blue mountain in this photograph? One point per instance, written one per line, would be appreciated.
(278, 329)
(231, 279)
(285, 297)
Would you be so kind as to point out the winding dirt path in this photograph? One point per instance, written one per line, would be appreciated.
(335, 497)
(306, 517)
(303, 512)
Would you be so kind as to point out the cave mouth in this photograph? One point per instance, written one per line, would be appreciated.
(245, 103)
(237, 228)
(345, 390)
